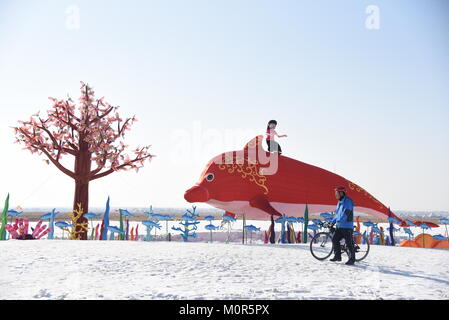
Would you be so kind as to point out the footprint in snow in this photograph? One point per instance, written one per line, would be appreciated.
(43, 293)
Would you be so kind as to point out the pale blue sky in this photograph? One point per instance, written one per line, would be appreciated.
(371, 105)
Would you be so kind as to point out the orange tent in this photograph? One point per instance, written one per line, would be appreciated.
(408, 243)
(425, 240)
(441, 245)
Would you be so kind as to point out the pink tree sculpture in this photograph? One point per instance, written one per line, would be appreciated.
(93, 133)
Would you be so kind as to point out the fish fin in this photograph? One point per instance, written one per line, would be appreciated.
(261, 202)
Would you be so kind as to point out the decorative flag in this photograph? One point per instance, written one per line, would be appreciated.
(105, 224)
(306, 222)
(392, 242)
(272, 234)
(4, 219)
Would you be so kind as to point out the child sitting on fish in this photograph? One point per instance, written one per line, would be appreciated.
(273, 146)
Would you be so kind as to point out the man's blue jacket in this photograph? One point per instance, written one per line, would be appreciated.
(344, 215)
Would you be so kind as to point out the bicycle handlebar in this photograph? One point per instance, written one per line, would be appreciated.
(326, 224)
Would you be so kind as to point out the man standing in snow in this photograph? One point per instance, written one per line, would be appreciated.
(344, 225)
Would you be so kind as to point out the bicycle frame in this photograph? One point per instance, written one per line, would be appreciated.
(329, 235)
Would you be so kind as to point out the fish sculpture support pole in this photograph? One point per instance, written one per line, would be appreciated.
(148, 237)
(243, 229)
(52, 224)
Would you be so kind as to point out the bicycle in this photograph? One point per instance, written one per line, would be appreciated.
(322, 247)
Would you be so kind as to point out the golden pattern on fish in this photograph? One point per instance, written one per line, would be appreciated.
(357, 188)
(248, 170)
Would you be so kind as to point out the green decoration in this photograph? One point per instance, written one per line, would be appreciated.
(122, 229)
(4, 219)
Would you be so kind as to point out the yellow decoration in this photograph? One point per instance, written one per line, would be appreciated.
(78, 227)
(357, 188)
(248, 170)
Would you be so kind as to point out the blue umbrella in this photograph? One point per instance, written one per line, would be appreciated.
(90, 216)
(313, 227)
(14, 213)
(228, 218)
(251, 228)
(63, 225)
(125, 213)
(160, 217)
(393, 229)
(114, 230)
(326, 215)
(394, 220)
(445, 221)
(368, 224)
(440, 237)
(211, 227)
(282, 220)
(150, 225)
(291, 219)
(410, 223)
(377, 230)
(409, 232)
(424, 226)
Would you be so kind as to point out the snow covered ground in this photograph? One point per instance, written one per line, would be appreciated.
(58, 269)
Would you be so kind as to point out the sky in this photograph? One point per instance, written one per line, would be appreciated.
(367, 101)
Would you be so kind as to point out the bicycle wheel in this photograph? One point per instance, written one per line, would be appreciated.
(321, 245)
(361, 249)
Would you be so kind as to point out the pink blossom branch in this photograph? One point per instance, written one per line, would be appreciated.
(122, 166)
(54, 161)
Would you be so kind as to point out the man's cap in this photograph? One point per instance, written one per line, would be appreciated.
(340, 188)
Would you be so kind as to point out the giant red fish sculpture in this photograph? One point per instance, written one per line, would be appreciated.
(259, 184)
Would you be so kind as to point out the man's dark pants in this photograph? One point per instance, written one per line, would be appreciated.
(343, 233)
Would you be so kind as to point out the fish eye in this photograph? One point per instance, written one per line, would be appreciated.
(210, 177)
